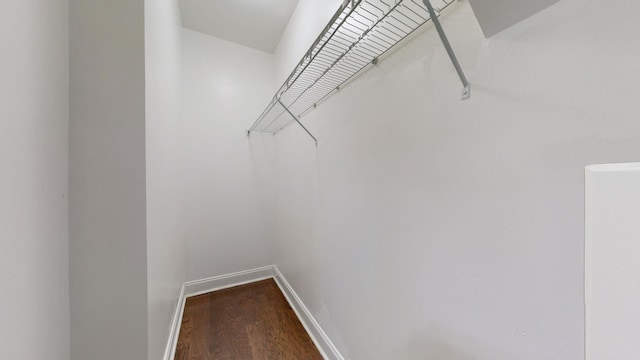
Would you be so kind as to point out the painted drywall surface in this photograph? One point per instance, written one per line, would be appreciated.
(224, 87)
(256, 24)
(107, 245)
(166, 249)
(612, 202)
(34, 119)
(424, 227)
(308, 19)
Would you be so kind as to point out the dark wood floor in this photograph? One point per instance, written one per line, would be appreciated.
(247, 322)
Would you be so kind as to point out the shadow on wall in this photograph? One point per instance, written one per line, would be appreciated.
(429, 348)
(434, 349)
(443, 343)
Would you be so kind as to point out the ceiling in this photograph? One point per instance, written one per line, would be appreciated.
(497, 15)
(254, 23)
(259, 24)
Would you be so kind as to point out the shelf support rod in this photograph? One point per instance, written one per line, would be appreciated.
(298, 121)
(466, 92)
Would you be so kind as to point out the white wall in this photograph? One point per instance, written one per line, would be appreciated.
(224, 88)
(309, 18)
(612, 287)
(108, 253)
(34, 119)
(423, 227)
(166, 248)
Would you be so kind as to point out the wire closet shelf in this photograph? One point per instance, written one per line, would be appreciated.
(358, 34)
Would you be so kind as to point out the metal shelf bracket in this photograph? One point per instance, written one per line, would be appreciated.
(298, 121)
(466, 91)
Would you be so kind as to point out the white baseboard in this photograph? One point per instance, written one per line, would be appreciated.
(176, 320)
(319, 337)
(203, 286)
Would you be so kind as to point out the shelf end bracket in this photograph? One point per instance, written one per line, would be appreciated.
(298, 121)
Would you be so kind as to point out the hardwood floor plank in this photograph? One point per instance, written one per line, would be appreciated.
(247, 322)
